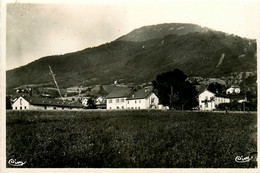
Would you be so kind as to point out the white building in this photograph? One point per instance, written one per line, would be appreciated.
(233, 90)
(117, 98)
(209, 100)
(36, 103)
(141, 99)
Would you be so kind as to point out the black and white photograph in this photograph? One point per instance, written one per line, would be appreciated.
(130, 84)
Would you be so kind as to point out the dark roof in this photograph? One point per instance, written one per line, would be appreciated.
(237, 97)
(119, 92)
(216, 94)
(221, 95)
(140, 94)
(231, 97)
(52, 102)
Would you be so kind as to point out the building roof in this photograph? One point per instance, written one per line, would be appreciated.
(119, 92)
(216, 94)
(140, 94)
(237, 97)
(234, 86)
(52, 102)
(221, 95)
(202, 91)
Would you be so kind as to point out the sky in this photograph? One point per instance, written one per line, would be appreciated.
(35, 30)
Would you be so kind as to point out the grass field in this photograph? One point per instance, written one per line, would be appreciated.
(130, 139)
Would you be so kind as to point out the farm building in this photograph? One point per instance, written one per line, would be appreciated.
(209, 100)
(140, 99)
(99, 101)
(36, 103)
(233, 90)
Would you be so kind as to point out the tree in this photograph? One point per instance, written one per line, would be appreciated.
(91, 104)
(8, 103)
(215, 87)
(102, 91)
(183, 94)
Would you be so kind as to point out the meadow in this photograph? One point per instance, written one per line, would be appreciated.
(130, 139)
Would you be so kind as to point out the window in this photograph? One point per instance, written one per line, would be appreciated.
(135, 101)
(139, 101)
(135, 107)
(15, 108)
(127, 102)
(132, 108)
(138, 107)
(21, 108)
(110, 101)
(54, 107)
(45, 107)
(20, 101)
(24, 107)
(110, 108)
(122, 107)
(117, 107)
(117, 100)
(122, 100)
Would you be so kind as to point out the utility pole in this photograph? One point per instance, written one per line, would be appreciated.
(171, 98)
(244, 102)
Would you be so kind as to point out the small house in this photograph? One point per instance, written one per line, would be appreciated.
(209, 100)
(233, 90)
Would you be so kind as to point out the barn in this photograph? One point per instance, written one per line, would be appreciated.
(37, 103)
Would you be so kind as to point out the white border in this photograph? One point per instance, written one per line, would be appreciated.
(3, 112)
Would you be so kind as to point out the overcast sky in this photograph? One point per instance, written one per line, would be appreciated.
(42, 29)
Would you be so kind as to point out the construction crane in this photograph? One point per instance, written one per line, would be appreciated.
(80, 91)
(53, 76)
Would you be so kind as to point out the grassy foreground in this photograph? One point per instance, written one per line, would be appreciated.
(124, 139)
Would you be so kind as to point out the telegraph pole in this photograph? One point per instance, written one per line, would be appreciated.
(171, 98)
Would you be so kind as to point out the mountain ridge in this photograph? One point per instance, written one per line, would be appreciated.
(196, 53)
(149, 32)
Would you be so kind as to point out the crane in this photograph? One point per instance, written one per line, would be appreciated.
(53, 76)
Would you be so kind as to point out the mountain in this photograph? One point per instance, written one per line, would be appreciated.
(159, 31)
(139, 56)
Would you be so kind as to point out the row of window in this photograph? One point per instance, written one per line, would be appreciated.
(44, 108)
(127, 108)
(21, 108)
(121, 101)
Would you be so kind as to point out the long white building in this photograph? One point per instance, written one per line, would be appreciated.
(125, 99)
(36, 103)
